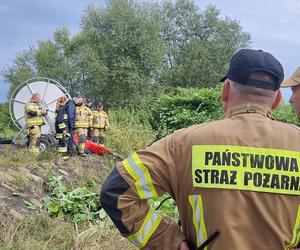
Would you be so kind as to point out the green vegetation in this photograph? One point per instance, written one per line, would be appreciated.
(286, 113)
(7, 128)
(78, 205)
(184, 107)
(129, 131)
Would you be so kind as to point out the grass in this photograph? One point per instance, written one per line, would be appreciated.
(12, 156)
(42, 232)
(20, 180)
(128, 132)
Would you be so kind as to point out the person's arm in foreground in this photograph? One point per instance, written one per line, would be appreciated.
(142, 176)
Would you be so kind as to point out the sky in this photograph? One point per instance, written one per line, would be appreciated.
(273, 24)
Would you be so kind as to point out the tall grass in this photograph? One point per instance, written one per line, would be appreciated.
(129, 131)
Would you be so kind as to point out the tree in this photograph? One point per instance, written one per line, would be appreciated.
(199, 44)
(23, 68)
(127, 39)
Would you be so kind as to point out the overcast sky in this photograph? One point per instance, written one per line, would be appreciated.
(274, 25)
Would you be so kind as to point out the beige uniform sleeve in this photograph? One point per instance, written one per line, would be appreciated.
(149, 173)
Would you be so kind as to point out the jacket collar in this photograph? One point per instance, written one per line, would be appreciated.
(248, 108)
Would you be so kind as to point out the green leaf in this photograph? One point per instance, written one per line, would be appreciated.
(53, 207)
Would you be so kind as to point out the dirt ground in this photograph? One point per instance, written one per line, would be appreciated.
(22, 182)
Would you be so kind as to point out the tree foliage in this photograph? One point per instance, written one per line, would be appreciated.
(199, 43)
(130, 51)
(286, 113)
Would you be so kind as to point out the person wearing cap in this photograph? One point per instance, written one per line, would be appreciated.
(34, 113)
(235, 181)
(294, 83)
(100, 123)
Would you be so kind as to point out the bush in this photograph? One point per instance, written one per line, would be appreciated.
(129, 131)
(286, 113)
(7, 128)
(185, 107)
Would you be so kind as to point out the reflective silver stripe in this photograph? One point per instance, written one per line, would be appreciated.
(198, 218)
(142, 177)
(148, 227)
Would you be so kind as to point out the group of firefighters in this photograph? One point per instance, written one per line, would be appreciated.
(73, 117)
(235, 181)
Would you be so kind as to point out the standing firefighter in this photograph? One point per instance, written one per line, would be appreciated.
(61, 127)
(88, 106)
(81, 124)
(100, 123)
(34, 120)
(70, 108)
(237, 177)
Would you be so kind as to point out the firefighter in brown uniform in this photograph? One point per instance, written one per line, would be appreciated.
(100, 123)
(81, 124)
(33, 121)
(294, 83)
(237, 178)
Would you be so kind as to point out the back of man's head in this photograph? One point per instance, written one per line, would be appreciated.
(253, 75)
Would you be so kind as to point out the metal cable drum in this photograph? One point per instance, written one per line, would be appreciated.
(49, 90)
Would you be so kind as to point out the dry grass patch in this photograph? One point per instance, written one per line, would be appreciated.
(40, 231)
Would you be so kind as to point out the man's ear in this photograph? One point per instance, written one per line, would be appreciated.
(276, 100)
(225, 91)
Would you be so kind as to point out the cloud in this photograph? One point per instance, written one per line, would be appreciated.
(24, 22)
(274, 25)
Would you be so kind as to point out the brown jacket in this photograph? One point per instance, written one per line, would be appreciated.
(100, 119)
(239, 175)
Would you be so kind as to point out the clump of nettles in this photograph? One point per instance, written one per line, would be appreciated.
(77, 205)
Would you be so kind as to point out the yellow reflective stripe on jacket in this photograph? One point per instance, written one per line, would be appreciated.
(30, 122)
(65, 116)
(140, 173)
(198, 218)
(61, 149)
(62, 125)
(150, 224)
(246, 168)
(81, 124)
(296, 233)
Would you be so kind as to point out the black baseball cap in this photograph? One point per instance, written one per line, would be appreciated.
(247, 61)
